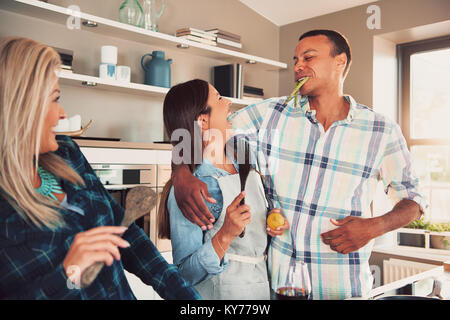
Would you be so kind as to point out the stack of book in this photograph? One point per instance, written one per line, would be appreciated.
(252, 93)
(66, 59)
(226, 39)
(213, 37)
(228, 80)
(197, 35)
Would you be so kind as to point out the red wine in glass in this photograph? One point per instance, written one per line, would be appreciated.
(290, 293)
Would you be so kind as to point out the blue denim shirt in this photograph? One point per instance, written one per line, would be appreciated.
(196, 259)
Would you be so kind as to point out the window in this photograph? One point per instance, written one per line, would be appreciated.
(425, 118)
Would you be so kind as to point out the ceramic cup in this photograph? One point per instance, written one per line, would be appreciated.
(63, 125)
(107, 71)
(109, 54)
(75, 123)
(123, 73)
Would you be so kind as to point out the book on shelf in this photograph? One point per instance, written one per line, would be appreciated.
(218, 31)
(198, 39)
(253, 90)
(253, 95)
(229, 43)
(62, 70)
(66, 59)
(228, 80)
(221, 36)
(197, 34)
(189, 29)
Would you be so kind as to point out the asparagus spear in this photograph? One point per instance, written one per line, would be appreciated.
(296, 90)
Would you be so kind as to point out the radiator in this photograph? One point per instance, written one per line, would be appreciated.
(395, 269)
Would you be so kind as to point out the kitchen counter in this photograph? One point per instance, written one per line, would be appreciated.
(122, 144)
(121, 152)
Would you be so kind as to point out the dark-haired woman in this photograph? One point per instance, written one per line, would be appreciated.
(218, 262)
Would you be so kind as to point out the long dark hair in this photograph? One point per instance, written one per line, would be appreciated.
(183, 104)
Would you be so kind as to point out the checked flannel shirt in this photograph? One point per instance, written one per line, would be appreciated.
(31, 258)
(313, 175)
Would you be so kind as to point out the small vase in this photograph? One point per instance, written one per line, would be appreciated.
(152, 14)
(131, 12)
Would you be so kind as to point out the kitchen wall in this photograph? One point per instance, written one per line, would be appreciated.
(134, 117)
(396, 16)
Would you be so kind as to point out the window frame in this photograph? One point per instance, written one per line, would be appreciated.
(404, 53)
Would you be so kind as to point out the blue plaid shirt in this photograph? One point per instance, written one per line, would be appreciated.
(31, 258)
(314, 175)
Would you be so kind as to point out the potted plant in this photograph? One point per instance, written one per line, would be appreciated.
(439, 234)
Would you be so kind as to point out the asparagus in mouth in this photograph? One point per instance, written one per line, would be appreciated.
(294, 92)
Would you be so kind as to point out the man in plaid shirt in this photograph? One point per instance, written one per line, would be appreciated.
(322, 159)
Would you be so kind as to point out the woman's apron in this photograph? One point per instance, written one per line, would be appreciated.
(245, 277)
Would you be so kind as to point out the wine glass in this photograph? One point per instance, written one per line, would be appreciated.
(293, 282)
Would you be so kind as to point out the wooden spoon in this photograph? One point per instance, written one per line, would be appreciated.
(139, 201)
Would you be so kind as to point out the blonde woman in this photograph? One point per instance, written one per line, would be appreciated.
(54, 213)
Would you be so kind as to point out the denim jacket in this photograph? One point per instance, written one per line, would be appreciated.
(196, 259)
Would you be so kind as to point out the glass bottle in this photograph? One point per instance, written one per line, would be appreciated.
(131, 12)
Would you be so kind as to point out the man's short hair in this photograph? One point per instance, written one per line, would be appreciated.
(340, 44)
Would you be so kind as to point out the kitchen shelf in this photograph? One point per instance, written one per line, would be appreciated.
(108, 27)
(80, 80)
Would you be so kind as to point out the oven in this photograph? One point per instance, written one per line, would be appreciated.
(119, 178)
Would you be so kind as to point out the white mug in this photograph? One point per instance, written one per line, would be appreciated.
(107, 71)
(109, 54)
(123, 73)
(75, 123)
(63, 125)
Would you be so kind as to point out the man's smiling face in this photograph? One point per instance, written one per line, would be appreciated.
(313, 58)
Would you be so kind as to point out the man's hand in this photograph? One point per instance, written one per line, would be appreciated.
(188, 193)
(352, 233)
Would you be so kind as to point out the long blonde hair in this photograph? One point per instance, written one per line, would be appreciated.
(27, 70)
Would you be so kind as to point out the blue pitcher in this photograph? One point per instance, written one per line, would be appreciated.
(157, 70)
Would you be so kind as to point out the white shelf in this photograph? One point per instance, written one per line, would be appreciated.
(79, 80)
(58, 14)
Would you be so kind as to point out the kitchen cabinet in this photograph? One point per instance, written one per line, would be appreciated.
(158, 156)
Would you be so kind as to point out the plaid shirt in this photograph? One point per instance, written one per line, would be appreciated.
(31, 258)
(313, 175)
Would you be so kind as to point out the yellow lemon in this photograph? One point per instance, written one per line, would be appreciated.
(275, 219)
